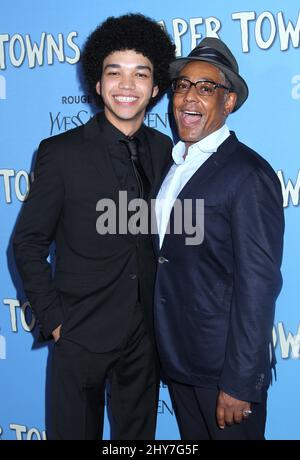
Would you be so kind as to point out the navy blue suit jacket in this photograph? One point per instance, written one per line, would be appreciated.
(215, 302)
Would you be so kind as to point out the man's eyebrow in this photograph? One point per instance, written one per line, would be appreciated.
(138, 67)
(141, 67)
(112, 65)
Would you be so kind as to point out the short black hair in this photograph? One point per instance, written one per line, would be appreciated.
(128, 32)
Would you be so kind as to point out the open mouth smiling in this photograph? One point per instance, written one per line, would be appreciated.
(126, 99)
(191, 116)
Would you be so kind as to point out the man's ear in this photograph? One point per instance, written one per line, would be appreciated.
(155, 91)
(98, 88)
(230, 102)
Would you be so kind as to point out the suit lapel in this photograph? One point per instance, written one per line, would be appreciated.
(210, 166)
(159, 161)
(96, 147)
(206, 171)
(160, 165)
(159, 178)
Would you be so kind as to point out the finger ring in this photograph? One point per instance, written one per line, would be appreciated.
(247, 412)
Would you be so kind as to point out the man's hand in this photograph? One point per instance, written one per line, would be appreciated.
(230, 410)
(56, 333)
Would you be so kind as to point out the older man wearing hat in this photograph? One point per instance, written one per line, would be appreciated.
(215, 301)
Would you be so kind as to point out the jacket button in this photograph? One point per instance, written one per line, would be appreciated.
(162, 260)
(132, 276)
(163, 300)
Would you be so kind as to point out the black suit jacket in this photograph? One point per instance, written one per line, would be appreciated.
(95, 283)
(215, 302)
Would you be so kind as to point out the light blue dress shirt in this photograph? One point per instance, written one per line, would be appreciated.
(180, 173)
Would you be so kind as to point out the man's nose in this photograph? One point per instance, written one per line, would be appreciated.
(191, 94)
(127, 82)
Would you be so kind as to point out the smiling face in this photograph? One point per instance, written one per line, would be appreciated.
(198, 116)
(126, 87)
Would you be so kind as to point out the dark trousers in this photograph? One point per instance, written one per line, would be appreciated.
(80, 379)
(195, 410)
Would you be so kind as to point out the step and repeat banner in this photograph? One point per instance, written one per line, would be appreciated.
(41, 95)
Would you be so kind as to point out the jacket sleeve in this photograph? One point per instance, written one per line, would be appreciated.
(257, 225)
(34, 234)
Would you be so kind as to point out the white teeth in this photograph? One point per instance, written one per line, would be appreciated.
(125, 98)
(192, 113)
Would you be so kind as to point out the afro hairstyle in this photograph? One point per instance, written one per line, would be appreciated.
(128, 32)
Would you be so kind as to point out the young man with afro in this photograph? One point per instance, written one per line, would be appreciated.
(97, 306)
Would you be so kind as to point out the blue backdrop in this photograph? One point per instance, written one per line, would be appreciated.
(40, 95)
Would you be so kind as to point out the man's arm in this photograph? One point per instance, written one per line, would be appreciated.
(34, 234)
(257, 226)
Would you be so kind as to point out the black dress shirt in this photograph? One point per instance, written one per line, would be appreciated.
(120, 157)
(122, 166)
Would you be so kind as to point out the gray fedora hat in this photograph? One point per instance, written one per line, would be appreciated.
(214, 51)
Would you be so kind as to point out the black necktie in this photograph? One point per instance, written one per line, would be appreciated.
(140, 175)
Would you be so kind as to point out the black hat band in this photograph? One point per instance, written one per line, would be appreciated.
(210, 53)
